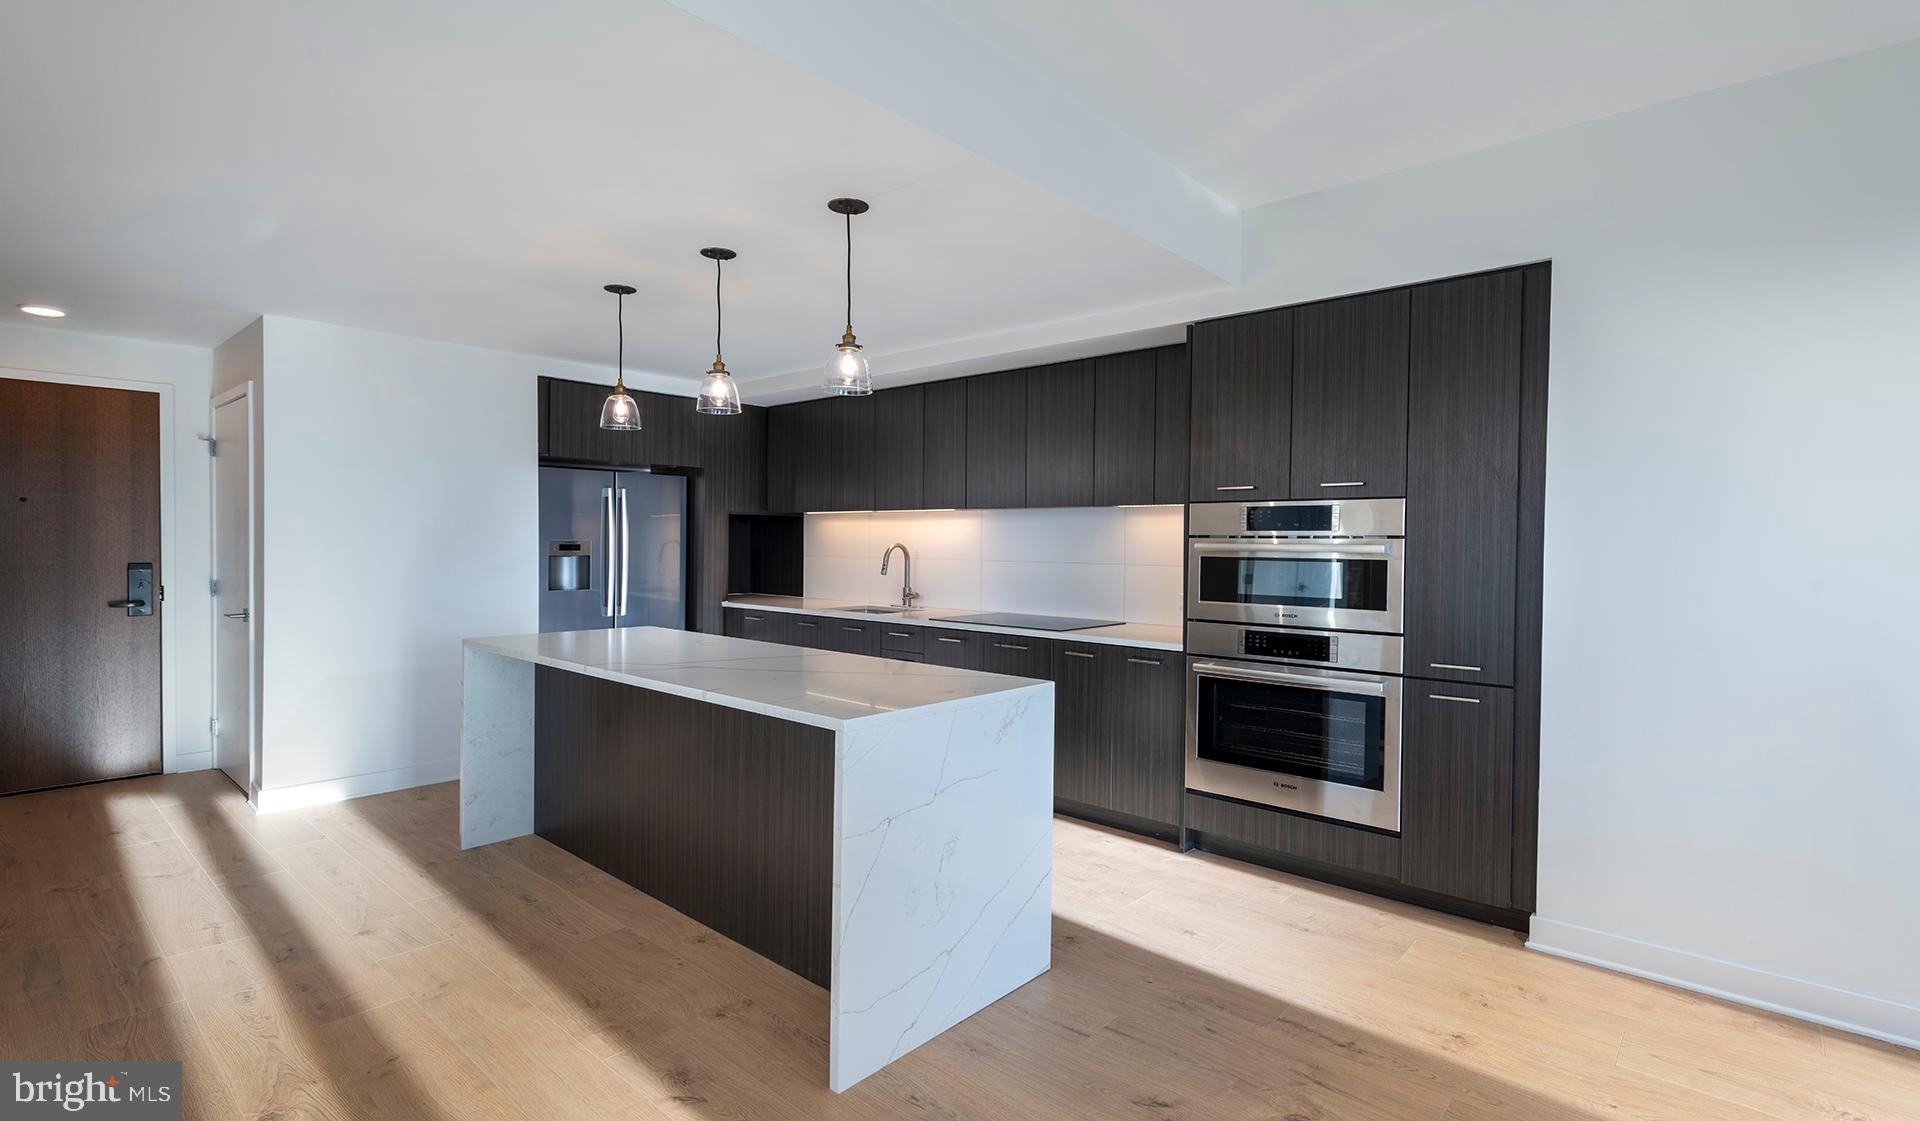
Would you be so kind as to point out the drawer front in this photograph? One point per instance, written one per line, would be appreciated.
(902, 640)
(959, 649)
(813, 632)
(854, 638)
(1018, 656)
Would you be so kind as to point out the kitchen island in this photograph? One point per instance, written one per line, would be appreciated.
(879, 827)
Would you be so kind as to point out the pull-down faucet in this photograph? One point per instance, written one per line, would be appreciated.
(907, 594)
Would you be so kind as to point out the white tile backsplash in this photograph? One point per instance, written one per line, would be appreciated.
(1156, 535)
(1089, 536)
(1091, 591)
(1106, 563)
(1155, 594)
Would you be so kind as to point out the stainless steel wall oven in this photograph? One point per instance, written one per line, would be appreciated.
(1294, 656)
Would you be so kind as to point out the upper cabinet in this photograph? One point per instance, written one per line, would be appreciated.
(899, 468)
(1060, 408)
(1242, 407)
(943, 446)
(784, 437)
(850, 452)
(1173, 402)
(812, 455)
(666, 435)
(1350, 397)
(1463, 478)
(1124, 454)
(997, 440)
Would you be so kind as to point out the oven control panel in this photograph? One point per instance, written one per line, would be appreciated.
(1344, 650)
(1301, 647)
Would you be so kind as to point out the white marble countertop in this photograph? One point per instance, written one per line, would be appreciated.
(818, 687)
(1148, 635)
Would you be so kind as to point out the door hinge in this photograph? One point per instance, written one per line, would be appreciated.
(213, 726)
(213, 587)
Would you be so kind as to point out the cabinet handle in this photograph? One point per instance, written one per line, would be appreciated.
(1453, 665)
(944, 638)
(1144, 661)
(1343, 484)
(1238, 486)
(1078, 654)
(854, 629)
(1010, 646)
(753, 618)
(809, 626)
(1455, 700)
(899, 634)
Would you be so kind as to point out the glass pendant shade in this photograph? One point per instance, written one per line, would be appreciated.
(718, 395)
(847, 372)
(620, 413)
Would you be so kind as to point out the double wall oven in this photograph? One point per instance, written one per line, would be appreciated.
(1294, 660)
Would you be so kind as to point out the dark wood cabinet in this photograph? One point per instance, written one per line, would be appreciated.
(899, 463)
(853, 638)
(1017, 656)
(997, 440)
(1147, 766)
(1242, 384)
(850, 451)
(1125, 396)
(761, 626)
(1456, 801)
(943, 481)
(812, 460)
(1350, 397)
(1083, 724)
(815, 632)
(1463, 474)
(783, 457)
(1173, 389)
(959, 649)
(1060, 408)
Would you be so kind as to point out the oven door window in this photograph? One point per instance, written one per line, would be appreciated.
(1357, 584)
(1290, 730)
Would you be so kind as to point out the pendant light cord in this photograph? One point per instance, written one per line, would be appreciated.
(716, 309)
(620, 354)
(849, 271)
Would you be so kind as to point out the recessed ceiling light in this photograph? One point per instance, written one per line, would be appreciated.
(43, 311)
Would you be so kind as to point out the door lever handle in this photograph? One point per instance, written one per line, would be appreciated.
(133, 603)
(242, 614)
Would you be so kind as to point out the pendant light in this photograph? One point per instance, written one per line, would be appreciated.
(620, 413)
(718, 395)
(847, 372)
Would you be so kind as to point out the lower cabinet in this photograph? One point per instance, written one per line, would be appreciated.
(1119, 711)
(959, 649)
(762, 626)
(1456, 800)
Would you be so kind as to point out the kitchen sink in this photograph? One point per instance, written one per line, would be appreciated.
(875, 609)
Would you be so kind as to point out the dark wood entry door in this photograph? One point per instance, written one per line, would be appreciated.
(79, 502)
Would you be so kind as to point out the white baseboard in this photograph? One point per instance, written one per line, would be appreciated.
(279, 798)
(192, 761)
(1790, 996)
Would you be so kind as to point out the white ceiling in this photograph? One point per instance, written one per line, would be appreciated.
(474, 171)
(1265, 99)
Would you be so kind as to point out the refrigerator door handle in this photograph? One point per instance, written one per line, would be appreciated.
(625, 566)
(606, 524)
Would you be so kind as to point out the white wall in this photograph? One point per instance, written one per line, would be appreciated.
(401, 483)
(1120, 563)
(1729, 750)
(181, 374)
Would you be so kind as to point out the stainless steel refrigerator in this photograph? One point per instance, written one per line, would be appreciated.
(613, 549)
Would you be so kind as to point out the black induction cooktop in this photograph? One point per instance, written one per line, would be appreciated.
(1027, 622)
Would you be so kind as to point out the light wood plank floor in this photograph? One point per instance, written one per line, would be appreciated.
(350, 962)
